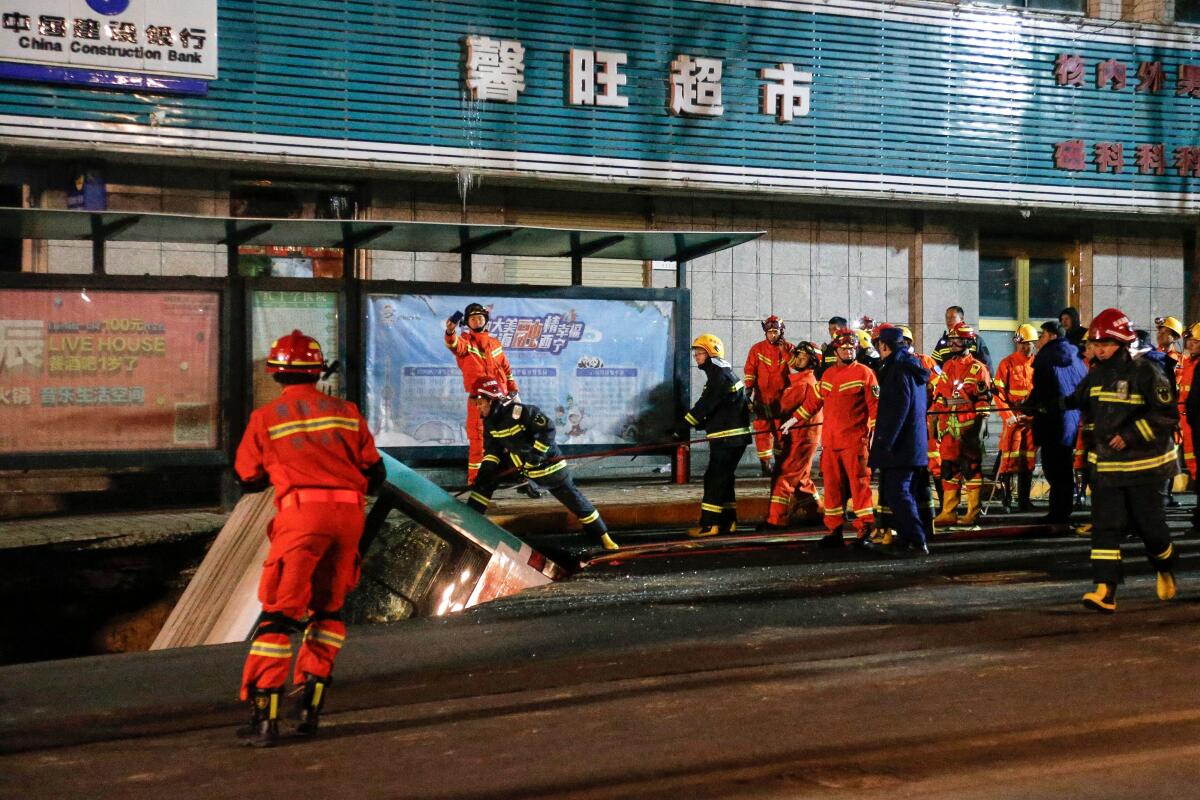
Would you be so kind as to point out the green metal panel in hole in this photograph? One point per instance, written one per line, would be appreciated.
(482, 562)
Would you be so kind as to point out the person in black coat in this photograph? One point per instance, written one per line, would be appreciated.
(1073, 332)
(899, 450)
(1057, 370)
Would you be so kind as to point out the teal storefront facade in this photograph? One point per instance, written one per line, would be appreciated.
(892, 151)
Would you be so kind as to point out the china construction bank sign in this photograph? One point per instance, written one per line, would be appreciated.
(162, 45)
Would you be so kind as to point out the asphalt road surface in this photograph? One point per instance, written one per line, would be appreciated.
(778, 673)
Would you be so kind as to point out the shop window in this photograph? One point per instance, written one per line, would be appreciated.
(1187, 11)
(1017, 286)
(289, 200)
(557, 271)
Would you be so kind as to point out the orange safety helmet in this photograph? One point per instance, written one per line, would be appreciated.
(961, 331)
(296, 354)
(1111, 324)
(489, 388)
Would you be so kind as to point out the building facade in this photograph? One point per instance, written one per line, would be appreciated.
(900, 157)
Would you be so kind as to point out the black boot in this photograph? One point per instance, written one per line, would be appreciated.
(1024, 485)
(832, 539)
(263, 728)
(311, 701)
(1006, 493)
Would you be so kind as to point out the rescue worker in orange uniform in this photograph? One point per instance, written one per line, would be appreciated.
(766, 377)
(849, 394)
(1169, 331)
(479, 354)
(961, 396)
(1011, 387)
(318, 454)
(792, 487)
(724, 414)
(1184, 375)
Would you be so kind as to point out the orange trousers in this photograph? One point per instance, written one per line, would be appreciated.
(1017, 451)
(765, 438)
(793, 475)
(847, 486)
(312, 565)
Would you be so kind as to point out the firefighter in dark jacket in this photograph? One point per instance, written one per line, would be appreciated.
(724, 414)
(898, 450)
(1131, 404)
(520, 436)
(1057, 371)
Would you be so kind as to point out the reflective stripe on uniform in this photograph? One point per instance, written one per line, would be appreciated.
(1165, 554)
(550, 470)
(491, 458)
(690, 419)
(1133, 466)
(1144, 429)
(1116, 397)
(507, 432)
(324, 637)
(1106, 555)
(730, 432)
(269, 650)
(478, 498)
(590, 518)
(541, 447)
(710, 507)
(310, 425)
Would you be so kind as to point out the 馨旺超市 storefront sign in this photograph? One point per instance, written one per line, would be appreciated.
(168, 45)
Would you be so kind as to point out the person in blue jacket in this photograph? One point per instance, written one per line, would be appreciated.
(1057, 370)
(899, 451)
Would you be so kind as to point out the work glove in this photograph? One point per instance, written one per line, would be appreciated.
(681, 433)
(787, 426)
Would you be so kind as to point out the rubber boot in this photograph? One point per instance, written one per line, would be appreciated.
(704, 530)
(729, 518)
(832, 539)
(1102, 598)
(766, 467)
(608, 542)
(949, 515)
(974, 495)
(1006, 492)
(1024, 485)
(1165, 586)
(263, 728)
(311, 702)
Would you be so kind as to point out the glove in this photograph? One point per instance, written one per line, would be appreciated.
(787, 426)
(681, 433)
(516, 398)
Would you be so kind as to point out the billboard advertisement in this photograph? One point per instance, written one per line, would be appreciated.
(602, 369)
(110, 371)
(276, 313)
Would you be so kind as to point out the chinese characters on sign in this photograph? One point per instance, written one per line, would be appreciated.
(494, 69)
(550, 333)
(143, 37)
(1071, 155)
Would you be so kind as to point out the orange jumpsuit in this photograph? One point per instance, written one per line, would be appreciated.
(849, 394)
(935, 455)
(1014, 380)
(796, 449)
(315, 449)
(766, 378)
(478, 354)
(961, 393)
(1184, 374)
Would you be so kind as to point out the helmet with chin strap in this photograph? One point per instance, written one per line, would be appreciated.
(296, 354)
(1112, 325)
(489, 388)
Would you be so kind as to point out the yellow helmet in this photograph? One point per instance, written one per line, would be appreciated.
(864, 338)
(1026, 333)
(1171, 324)
(906, 333)
(1194, 331)
(710, 344)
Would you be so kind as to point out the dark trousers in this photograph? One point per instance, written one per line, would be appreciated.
(1117, 509)
(1057, 466)
(718, 506)
(557, 483)
(905, 491)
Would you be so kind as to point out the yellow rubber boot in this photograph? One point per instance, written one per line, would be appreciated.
(1102, 598)
(704, 530)
(949, 515)
(608, 542)
(973, 493)
(1166, 586)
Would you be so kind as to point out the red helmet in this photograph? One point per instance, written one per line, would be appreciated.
(489, 388)
(845, 336)
(296, 354)
(773, 323)
(880, 328)
(961, 331)
(1111, 323)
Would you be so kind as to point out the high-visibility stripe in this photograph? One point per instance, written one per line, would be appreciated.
(749, 379)
(1132, 466)
(507, 432)
(477, 464)
(765, 453)
(590, 518)
(325, 637)
(265, 650)
(450, 343)
(491, 458)
(496, 353)
(834, 512)
(478, 498)
(803, 415)
(541, 447)
(1115, 397)
(999, 383)
(285, 429)
(729, 505)
(865, 512)
(845, 387)
(730, 432)
(1106, 555)
(1144, 429)
(475, 351)
(763, 359)
(780, 500)
(1165, 554)
(826, 385)
(690, 419)
(515, 459)
(710, 507)
(550, 470)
